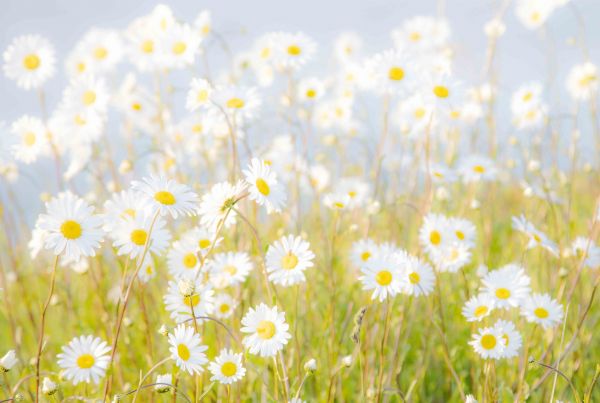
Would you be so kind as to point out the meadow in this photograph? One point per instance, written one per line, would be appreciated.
(297, 221)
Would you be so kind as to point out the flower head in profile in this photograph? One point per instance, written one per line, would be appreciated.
(72, 229)
(216, 207)
(536, 237)
(197, 300)
(263, 186)
(168, 196)
(583, 81)
(84, 359)
(186, 349)
(29, 60)
(267, 330)
(8, 361)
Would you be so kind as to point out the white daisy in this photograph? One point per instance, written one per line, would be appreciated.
(507, 286)
(71, 227)
(392, 72)
(267, 330)
(31, 139)
(488, 343)
(186, 349)
(478, 307)
(227, 367)
(362, 251)
(510, 337)
(182, 259)
(84, 359)
(229, 268)
(543, 310)
(124, 205)
(585, 249)
(164, 383)
(434, 232)
(217, 203)
(168, 196)
(477, 168)
(383, 274)
(133, 236)
(263, 186)
(419, 278)
(203, 238)
(236, 102)
(198, 95)
(8, 361)
(287, 259)
(224, 305)
(536, 237)
(29, 60)
(583, 81)
(292, 50)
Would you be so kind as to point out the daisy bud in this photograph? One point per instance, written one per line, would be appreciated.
(475, 204)
(8, 361)
(125, 166)
(186, 287)
(163, 330)
(310, 365)
(19, 397)
(562, 272)
(347, 361)
(470, 399)
(48, 387)
(164, 381)
(116, 398)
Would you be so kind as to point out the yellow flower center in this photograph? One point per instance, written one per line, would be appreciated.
(164, 197)
(339, 205)
(85, 361)
(415, 36)
(383, 278)
(224, 308)
(488, 341)
(100, 53)
(365, 256)
(29, 139)
(71, 229)
(435, 237)
(129, 212)
(235, 103)
(265, 329)
(479, 169)
(31, 62)
(502, 293)
(190, 260)
(136, 106)
(396, 73)
(229, 369)
(191, 300)
(139, 236)
(419, 113)
(204, 243)
(527, 96)
(440, 91)
(289, 261)
(202, 96)
(480, 311)
(310, 93)
(148, 46)
(231, 269)
(81, 67)
(183, 352)
(294, 50)
(541, 313)
(460, 235)
(537, 238)
(179, 48)
(414, 278)
(89, 97)
(263, 187)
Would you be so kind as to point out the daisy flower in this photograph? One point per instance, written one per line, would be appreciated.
(133, 236)
(267, 330)
(29, 60)
(124, 205)
(8, 361)
(585, 249)
(31, 139)
(203, 23)
(421, 33)
(229, 268)
(525, 97)
(224, 305)
(71, 227)
(347, 45)
(477, 168)
(287, 259)
(583, 81)
(181, 306)
(507, 286)
(203, 238)
(510, 337)
(392, 72)
(263, 186)
(434, 232)
(86, 94)
(198, 95)
(383, 274)
(418, 275)
(182, 259)
(292, 50)
(543, 310)
(451, 258)
(168, 196)
(488, 343)
(102, 48)
(180, 46)
(464, 230)
(357, 190)
(164, 383)
(217, 203)
(186, 349)
(310, 89)
(236, 101)
(84, 359)
(148, 270)
(478, 307)
(536, 237)
(362, 251)
(227, 367)
(336, 201)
